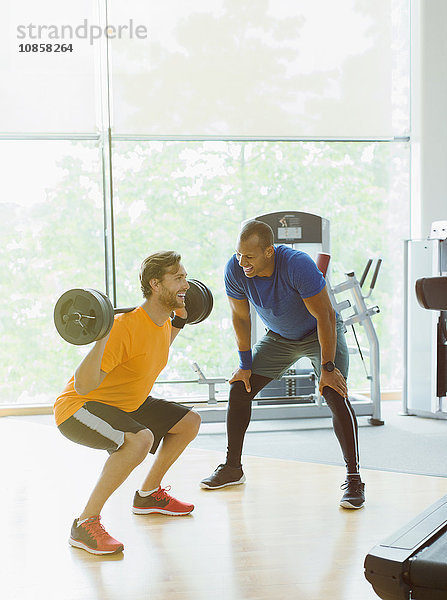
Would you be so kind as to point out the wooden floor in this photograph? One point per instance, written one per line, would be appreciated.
(280, 536)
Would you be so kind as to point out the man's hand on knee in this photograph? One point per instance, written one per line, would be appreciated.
(334, 380)
(242, 375)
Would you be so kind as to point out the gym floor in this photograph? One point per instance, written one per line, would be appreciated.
(281, 535)
(406, 444)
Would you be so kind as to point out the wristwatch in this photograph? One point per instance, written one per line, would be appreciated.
(329, 366)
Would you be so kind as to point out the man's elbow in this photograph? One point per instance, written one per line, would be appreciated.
(328, 316)
(331, 314)
(82, 389)
(241, 321)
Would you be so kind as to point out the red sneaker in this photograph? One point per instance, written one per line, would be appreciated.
(91, 536)
(160, 502)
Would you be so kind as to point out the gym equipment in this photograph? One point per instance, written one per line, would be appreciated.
(198, 302)
(362, 315)
(82, 316)
(412, 563)
(295, 384)
(295, 394)
(425, 346)
(202, 379)
(431, 292)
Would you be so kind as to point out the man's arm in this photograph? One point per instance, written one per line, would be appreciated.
(321, 308)
(88, 376)
(180, 312)
(240, 316)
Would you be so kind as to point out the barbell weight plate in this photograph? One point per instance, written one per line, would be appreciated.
(198, 302)
(107, 314)
(193, 302)
(208, 301)
(110, 310)
(95, 306)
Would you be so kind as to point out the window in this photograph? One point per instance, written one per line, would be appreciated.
(47, 91)
(192, 197)
(282, 68)
(225, 110)
(52, 240)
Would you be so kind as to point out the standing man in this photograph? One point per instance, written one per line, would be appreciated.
(289, 294)
(106, 404)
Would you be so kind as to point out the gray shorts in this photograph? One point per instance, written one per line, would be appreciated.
(101, 426)
(273, 355)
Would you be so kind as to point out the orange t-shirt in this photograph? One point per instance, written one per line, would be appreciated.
(136, 352)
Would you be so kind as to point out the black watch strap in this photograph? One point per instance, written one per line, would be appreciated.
(178, 322)
(329, 366)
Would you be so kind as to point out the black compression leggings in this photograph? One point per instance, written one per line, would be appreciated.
(239, 415)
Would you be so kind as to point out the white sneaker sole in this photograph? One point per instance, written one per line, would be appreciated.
(346, 504)
(146, 511)
(77, 544)
(205, 486)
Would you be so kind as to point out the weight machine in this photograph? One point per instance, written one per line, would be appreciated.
(296, 394)
(425, 345)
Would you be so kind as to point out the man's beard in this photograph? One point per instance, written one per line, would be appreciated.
(170, 300)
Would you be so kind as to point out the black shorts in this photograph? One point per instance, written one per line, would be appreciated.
(101, 426)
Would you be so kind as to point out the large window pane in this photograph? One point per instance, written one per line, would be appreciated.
(282, 68)
(192, 197)
(51, 228)
(42, 90)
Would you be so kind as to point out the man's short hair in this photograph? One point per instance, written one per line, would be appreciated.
(156, 266)
(262, 230)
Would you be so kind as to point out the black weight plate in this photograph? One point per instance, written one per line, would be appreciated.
(106, 315)
(210, 302)
(86, 303)
(207, 301)
(203, 300)
(77, 301)
(198, 302)
(193, 302)
(110, 311)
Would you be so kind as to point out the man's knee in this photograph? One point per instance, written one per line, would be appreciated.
(194, 421)
(188, 425)
(139, 443)
(335, 401)
(238, 392)
(331, 396)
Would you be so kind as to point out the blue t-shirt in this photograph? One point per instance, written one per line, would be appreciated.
(278, 298)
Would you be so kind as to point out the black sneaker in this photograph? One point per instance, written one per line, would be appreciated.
(354, 496)
(223, 476)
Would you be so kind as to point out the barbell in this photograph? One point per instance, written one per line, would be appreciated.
(83, 316)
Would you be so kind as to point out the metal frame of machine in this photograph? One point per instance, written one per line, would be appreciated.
(422, 356)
